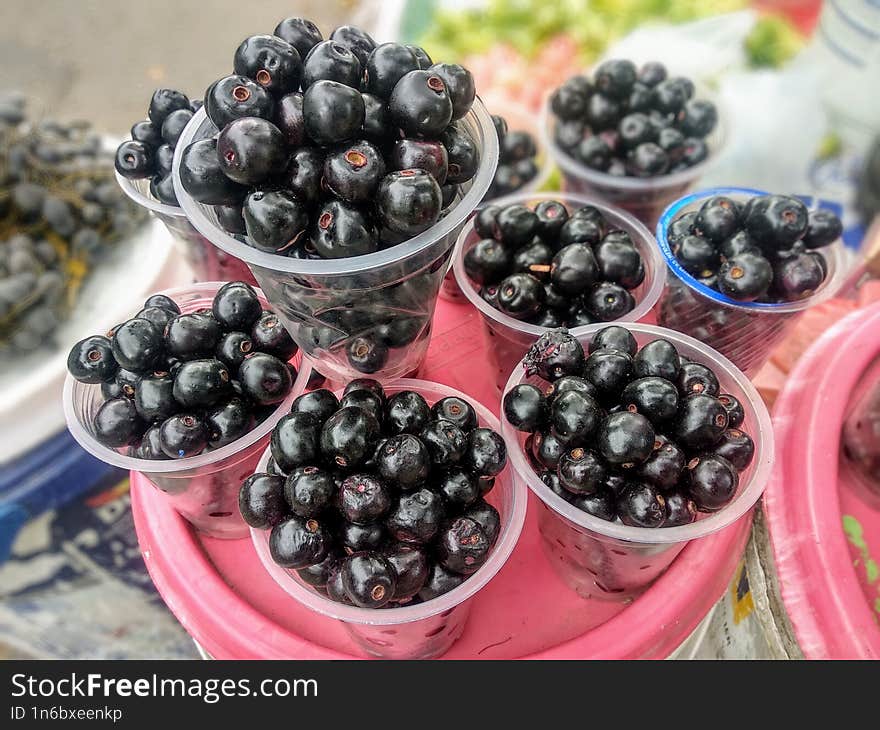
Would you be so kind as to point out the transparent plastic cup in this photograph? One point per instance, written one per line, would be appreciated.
(203, 489)
(508, 339)
(208, 263)
(612, 561)
(645, 198)
(521, 120)
(326, 304)
(427, 629)
(745, 332)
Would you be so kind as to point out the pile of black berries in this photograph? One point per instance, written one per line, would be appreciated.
(377, 500)
(629, 121)
(641, 436)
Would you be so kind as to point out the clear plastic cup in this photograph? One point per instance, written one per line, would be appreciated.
(508, 339)
(327, 304)
(521, 120)
(645, 198)
(745, 332)
(612, 561)
(208, 263)
(427, 629)
(203, 489)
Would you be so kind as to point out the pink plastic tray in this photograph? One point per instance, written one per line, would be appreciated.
(222, 596)
(828, 585)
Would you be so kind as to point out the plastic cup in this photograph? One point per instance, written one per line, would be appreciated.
(207, 262)
(326, 304)
(612, 561)
(518, 119)
(745, 332)
(427, 629)
(645, 198)
(204, 488)
(508, 339)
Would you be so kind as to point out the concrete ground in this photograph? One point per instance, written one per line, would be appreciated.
(101, 59)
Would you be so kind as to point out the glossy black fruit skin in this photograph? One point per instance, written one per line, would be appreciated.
(154, 399)
(265, 379)
(349, 438)
(462, 546)
(609, 371)
(459, 84)
(655, 398)
(295, 441)
(386, 65)
(823, 229)
(305, 170)
(525, 407)
(356, 538)
(236, 306)
(700, 423)
(420, 104)
(574, 269)
(464, 157)
(275, 219)
(270, 61)
(554, 355)
(302, 34)
(296, 543)
(446, 443)
(342, 230)
(620, 263)
(137, 345)
(163, 103)
(614, 337)
(234, 97)
(369, 580)
(664, 465)
(458, 487)
(776, 222)
(135, 160)
(353, 173)
(735, 412)
(252, 151)
(440, 581)
(625, 438)
(680, 509)
(403, 460)
(486, 453)
(694, 378)
(261, 501)
(319, 574)
(117, 423)
(228, 422)
(416, 518)
(581, 471)
(332, 112)
(367, 354)
(745, 277)
(487, 262)
(363, 499)
(202, 176)
(696, 254)
(521, 296)
(712, 482)
(191, 336)
(406, 412)
(183, 435)
(607, 301)
(657, 359)
(91, 360)
(798, 277)
(408, 201)
(358, 41)
(321, 404)
(457, 411)
(159, 317)
(410, 565)
(737, 447)
(545, 449)
(574, 417)
(640, 505)
(552, 216)
(423, 154)
(331, 61)
(366, 399)
(200, 384)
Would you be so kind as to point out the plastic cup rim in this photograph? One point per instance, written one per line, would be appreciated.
(746, 498)
(827, 290)
(647, 303)
(147, 201)
(499, 556)
(356, 264)
(171, 466)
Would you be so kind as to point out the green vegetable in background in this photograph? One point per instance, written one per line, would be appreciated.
(772, 42)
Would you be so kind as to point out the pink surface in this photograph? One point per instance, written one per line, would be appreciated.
(220, 593)
(823, 580)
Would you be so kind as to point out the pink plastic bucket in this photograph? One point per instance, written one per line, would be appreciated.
(231, 606)
(824, 522)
